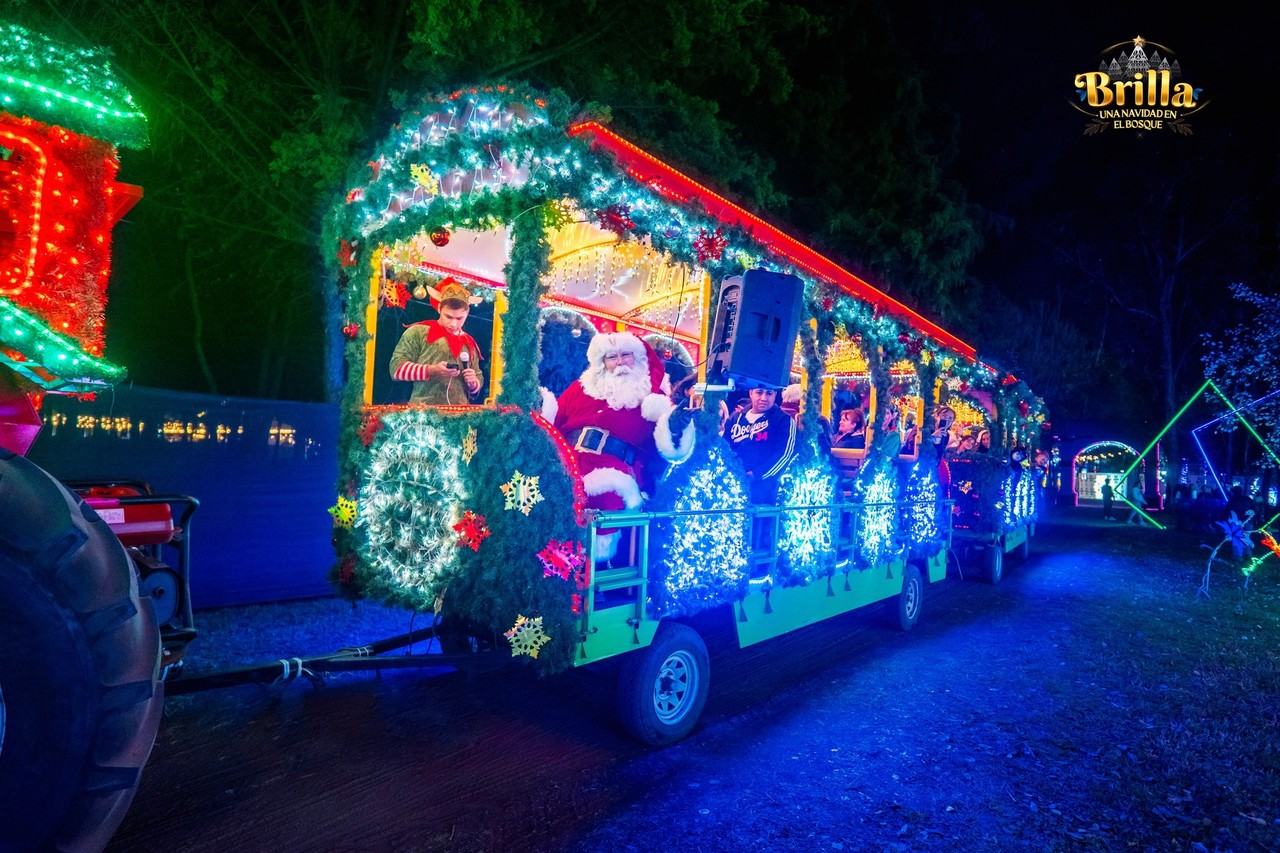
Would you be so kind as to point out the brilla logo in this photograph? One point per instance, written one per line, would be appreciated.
(1138, 86)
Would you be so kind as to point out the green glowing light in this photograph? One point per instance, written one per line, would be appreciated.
(74, 88)
(43, 352)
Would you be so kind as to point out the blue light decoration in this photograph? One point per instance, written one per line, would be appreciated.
(1017, 501)
(412, 495)
(702, 556)
(807, 540)
(1238, 413)
(877, 519)
(920, 520)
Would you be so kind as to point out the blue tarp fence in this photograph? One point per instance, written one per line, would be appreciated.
(264, 472)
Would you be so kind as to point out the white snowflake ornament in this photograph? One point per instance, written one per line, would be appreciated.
(522, 493)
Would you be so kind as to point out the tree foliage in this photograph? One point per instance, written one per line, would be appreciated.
(811, 114)
(255, 111)
(1241, 359)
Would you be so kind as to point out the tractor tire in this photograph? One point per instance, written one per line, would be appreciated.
(80, 697)
(663, 688)
(904, 609)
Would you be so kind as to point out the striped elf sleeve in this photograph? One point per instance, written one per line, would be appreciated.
(410, 372)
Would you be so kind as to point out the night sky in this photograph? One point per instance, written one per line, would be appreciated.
(1022, 150)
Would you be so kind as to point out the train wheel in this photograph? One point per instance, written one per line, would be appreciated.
(663, 688)
(993, 563)
(79, 665)
(906, 608)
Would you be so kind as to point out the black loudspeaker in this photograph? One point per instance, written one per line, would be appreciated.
(754, 338)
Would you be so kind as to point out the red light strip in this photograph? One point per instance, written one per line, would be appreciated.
(42, 166)
(675, 185)
(570, 460)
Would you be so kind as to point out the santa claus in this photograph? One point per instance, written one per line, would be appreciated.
(619, 421)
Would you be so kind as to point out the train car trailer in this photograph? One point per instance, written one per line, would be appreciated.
(472, 514)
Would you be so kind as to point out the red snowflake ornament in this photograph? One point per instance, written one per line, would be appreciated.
(828, 303)
(710, 245)
(395, 294)
(347, 568)
(369, 429)
(615, 218)
(562, 559)
(346, 254)
(471, 530)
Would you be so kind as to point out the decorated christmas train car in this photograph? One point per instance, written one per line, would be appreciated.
(500, 262)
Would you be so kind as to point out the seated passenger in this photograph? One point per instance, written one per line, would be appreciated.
(851, 433)
(621, 426)
(909, 433)
(765, 440)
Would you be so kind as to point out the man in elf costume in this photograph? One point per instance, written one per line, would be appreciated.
(437, 356)
(619, 421)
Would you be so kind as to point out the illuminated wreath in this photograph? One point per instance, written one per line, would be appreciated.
(412, 497)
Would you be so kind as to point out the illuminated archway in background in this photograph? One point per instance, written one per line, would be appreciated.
(1084, 457)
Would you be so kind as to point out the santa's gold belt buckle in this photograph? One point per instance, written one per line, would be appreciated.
(585, 444)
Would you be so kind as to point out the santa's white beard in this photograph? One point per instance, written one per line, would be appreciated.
(622, 389)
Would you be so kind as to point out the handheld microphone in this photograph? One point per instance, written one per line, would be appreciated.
(464, 358)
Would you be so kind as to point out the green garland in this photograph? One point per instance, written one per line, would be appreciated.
(71, 87)
(521, 347)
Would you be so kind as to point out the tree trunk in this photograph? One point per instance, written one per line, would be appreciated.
(197, 318)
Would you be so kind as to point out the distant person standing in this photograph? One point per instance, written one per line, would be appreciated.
(1139, 501)
(1240, 504)
(1108, 499)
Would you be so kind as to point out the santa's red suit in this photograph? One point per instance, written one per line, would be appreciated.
(618, 427)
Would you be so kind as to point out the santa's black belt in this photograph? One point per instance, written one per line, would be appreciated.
(596, 440)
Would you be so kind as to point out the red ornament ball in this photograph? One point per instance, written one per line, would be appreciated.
(440, 236)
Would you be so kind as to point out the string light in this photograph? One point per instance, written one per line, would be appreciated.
(72, 87)
(920, 513)
(412, 496)
(702, 553)
(877, 542)
(808, 535)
